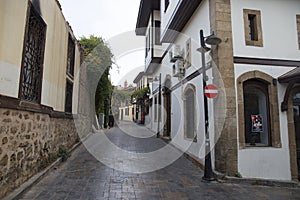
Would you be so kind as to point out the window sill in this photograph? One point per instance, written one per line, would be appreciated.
(257, 43)
(257, 145)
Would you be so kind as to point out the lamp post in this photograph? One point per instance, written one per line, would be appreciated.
(211, 40)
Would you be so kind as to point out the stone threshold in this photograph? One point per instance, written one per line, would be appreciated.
(222, 178)
(17, 193)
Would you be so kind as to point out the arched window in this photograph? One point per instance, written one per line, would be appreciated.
(258, 110)
(190, 113)
(257, 113)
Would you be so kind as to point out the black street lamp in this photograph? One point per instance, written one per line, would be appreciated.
(211, 40)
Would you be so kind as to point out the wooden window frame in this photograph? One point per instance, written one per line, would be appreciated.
(256, 36)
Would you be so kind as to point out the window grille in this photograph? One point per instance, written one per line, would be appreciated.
(33, 58)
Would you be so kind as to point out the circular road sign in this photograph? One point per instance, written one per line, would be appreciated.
(211, 91)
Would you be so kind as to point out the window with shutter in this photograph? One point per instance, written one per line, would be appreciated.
(189, 113)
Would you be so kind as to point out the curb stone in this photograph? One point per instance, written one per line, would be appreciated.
(221, 178)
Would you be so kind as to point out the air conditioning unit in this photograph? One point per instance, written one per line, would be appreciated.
(175, 53)
(178, 68)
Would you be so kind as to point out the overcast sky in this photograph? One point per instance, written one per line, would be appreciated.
(115, 21)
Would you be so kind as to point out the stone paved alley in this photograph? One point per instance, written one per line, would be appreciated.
(84, 177)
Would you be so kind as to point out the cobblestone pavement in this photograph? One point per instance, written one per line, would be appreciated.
(84, 177)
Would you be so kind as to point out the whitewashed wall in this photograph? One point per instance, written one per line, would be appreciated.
(200, 20)
(279, 28)
(267, 162)
(11, 45)
(279, 42)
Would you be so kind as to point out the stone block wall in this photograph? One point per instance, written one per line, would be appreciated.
(28, 140)
(226, 152)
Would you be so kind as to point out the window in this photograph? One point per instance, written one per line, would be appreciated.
(298, 29)
(33, 58)
(252, 27)
(257, 114)
(71, 55)
(189, 113)
(167, 2)
(258, 110)
(69, 95)
(70, 74)
(148, 43)
(157, 32)
(252, 23)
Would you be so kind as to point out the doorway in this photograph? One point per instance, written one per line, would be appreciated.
(167, 106)
(296, 111)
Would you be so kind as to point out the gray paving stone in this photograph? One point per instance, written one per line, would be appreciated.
(84, 177)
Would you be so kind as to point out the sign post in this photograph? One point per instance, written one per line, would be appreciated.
(211, 91)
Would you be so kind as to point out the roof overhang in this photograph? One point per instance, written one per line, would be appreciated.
(138, 77)
(293, 75)
(146, 7)
(180, 17)
(153, 65)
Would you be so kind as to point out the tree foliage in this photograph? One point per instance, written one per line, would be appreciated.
(141, 93)
(98, 58)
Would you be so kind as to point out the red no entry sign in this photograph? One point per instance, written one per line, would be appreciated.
(211, 91)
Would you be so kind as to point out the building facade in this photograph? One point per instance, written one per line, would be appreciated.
(254, 121)
(140, 98)
(40, 61)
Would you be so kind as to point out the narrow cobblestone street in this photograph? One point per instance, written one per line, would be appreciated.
(84, 177)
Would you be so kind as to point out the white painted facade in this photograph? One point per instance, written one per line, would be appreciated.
(191, 31)
(280, 41)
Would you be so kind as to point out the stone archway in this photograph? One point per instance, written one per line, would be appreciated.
(293, 147)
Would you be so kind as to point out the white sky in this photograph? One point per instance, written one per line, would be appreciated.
(112, 20)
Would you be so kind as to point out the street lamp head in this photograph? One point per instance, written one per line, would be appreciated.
(213, 40)
(203, 49)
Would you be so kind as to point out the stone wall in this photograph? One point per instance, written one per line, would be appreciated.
(226, 146)
(29, 142)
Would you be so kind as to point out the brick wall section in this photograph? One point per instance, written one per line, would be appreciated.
(226, 146)
(27, 139)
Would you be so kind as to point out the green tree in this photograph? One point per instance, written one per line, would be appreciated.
(98, 58)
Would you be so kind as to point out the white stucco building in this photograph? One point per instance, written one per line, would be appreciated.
(256, 69)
